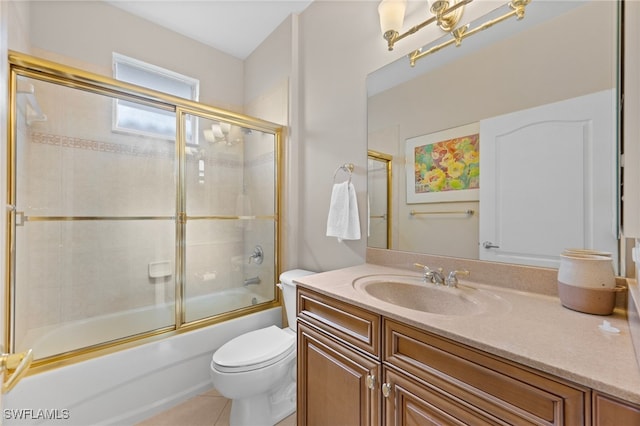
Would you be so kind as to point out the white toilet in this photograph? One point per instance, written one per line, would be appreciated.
(257, 370)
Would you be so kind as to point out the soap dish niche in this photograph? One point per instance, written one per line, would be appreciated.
(160, 269)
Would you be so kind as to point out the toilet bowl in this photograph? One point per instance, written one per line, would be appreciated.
(257, 370)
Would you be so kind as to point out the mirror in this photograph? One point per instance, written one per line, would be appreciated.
(561, 51)
(379, 185)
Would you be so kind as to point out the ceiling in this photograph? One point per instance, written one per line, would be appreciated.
(235, 27)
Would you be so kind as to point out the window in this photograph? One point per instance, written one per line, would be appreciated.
(133, 117)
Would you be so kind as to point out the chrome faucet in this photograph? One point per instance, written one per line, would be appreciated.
(433, 275)
(257, 256)
(437, 277)
(252, 281)
(452, 278)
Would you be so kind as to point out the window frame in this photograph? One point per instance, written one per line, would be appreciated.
(119, 106)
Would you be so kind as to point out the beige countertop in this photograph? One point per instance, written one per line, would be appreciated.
(532, 329)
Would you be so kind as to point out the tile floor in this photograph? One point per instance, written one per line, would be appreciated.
(207, 409)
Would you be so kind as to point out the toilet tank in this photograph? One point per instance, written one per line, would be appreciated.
(289, 293)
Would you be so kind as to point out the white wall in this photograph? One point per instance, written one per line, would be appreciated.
(334, 56)
(83, 34)
(340, 44)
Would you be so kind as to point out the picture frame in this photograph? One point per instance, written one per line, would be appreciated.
(444, 166)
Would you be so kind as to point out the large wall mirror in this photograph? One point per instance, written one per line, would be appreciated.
(540, 95)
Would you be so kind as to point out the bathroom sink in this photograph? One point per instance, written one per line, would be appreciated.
(411, 292)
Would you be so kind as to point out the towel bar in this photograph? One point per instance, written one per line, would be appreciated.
(465, 212)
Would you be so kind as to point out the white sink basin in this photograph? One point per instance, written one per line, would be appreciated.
(411, 292)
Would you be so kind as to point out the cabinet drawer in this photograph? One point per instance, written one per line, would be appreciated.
(608, 411)
(352, 325)
(512, 392)
(411, 402)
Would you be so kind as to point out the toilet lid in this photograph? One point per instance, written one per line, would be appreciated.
(254, 349)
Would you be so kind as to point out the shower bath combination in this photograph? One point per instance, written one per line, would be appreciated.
(119, 231)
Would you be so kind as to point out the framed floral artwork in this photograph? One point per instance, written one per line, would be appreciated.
(444, 166)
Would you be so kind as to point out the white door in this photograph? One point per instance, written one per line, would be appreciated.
(547, 181)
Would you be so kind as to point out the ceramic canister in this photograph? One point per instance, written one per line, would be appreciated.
(586, 270)
(571, 251)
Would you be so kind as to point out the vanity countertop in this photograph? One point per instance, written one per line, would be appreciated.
(536, 331)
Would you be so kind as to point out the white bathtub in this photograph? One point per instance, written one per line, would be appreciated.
(133, 384)
(58, 339)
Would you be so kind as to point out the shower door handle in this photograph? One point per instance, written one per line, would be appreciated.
(19, 363)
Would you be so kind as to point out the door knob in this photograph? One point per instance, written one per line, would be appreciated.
(19, 363)
(489, 245)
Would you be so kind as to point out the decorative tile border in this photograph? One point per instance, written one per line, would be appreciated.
(140, 151)
(88, 144)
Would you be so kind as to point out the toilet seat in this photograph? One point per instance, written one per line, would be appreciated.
(253, 350)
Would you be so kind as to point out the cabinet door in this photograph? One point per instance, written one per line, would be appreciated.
(408, 402)
(336, 384)
(608, 411)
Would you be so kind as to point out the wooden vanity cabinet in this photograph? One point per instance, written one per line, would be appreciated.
(339, 364)
(356, 367)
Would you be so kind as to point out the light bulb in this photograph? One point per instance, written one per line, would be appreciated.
(391, 15)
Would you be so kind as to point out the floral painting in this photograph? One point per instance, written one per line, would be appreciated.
(444, 166)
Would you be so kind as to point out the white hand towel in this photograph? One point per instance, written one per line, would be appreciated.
(343, 221)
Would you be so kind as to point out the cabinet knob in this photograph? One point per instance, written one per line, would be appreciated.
(370, 381)
(386, 389)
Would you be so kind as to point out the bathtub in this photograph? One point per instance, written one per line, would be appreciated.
(53, 340)
(132, 384)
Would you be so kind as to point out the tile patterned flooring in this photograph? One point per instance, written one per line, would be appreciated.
(207, 409)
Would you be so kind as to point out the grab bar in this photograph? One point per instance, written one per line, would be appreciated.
(465, 212)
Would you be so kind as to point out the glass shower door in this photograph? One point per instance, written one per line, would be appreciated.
(133, 213)
(93, 223)
(230, 231)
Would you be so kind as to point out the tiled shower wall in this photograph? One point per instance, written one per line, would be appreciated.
(73, 164)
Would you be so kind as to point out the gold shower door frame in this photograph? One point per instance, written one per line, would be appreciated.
(36, 68)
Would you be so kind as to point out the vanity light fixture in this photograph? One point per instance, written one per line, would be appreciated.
(447, 14)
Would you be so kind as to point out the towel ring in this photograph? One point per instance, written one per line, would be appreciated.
(346, 167)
